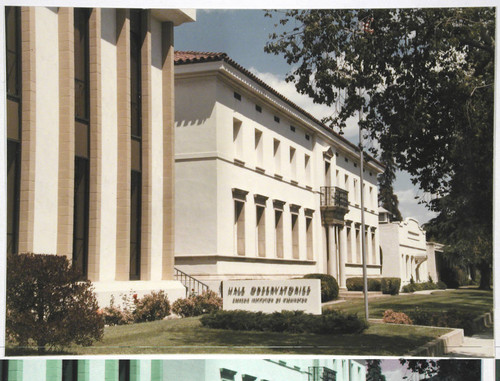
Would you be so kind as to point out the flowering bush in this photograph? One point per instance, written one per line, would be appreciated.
(113, 315)
(195, 305)
(396, 317)
(154, 306)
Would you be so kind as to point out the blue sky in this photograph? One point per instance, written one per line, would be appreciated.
(242, 34)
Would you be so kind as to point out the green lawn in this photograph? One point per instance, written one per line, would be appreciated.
(468, 300)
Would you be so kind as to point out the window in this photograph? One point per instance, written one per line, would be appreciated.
(239, 227)
(358, 246)
(374, 247)
(13, 68)
(237, 96)
(136, 143)
(237, 139)
(309, 234)
(227, 374)
(260, 226)
(4, 370)
(355, 191)
(277, 156)
(328, 180)
(349, 245)
(259, 150)
(307, 168)
(278, 232)
(292, 128)
(82, 141)
(124, 370)
(308, 137)
(293, 164)
(69, 370)
(258, 108)
(276, 119)
(295, 236)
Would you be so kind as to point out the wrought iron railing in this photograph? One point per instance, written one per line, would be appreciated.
(192, 285)
(334, 196)
(321, 373)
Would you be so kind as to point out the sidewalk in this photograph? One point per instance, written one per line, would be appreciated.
(479, 345)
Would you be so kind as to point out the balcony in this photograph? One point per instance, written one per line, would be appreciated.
(334, 205)
(321, 373)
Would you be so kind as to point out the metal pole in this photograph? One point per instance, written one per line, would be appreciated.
(363, 248)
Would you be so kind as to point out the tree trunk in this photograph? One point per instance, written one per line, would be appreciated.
(485, 271)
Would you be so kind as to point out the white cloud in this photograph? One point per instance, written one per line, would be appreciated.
(409, 206)
(319, 111)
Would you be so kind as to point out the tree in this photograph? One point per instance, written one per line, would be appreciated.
(48, 304)
(374, 371)
(386, 197)
(446, 370)
(424, 78)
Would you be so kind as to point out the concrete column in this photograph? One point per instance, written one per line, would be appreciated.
(124, 148)
(332, 260)
(168, 150)
(66, 133)
(343, 256)
(28, 125)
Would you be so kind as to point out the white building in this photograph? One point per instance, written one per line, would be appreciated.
(404, 250)
(90, 142)
(263, 189)
(291, 369)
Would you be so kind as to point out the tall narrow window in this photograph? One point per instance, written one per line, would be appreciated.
(261, 230)
(278, 227)
(124, 370)
(259, 150)
(13, 68)
(295, 236)
(356, 192)
(374, 249)
(309, 238)
(307, 169)
(358, 246)
(239, 227)
(277, 156)
(82, 142)
(4, 369)
(293, 164)
(349, 245)
(237, 139)
(69, 370)
(328, 179)
(136, 142)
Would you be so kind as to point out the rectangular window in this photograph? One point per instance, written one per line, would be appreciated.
(308, 137)
(237, 96)
(259, 150)
(258, 108)
(307, 168)
(295, 236)
(277, 156)
(124, 370)
(237, 139)
(374, 249)
(261, 230)
(358, 246)
(328, 178)
(82, 141)
(69, 370)
(278, 230)
(293, 164)
(239, 227)
(276, 119)
(309, 238)
(13, 69)
(349, 245)
(136, 31)
(292, 128)
(355, 191)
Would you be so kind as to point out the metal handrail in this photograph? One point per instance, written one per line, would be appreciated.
(192, 285)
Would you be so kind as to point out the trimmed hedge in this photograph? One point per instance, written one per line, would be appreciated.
(412, 287)
(331, 322)
(329, 286)
(390, 285)
(452, 318)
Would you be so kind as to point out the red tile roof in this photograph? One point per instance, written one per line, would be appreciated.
(189, 57)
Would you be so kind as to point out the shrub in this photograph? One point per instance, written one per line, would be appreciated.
(196, 305)
(113, 315)
(412, 287)
(151, 307)
(356, 284)
(452, 318)
(396, 317)
(390, 285)
(48, 304)
(441, 285)
(329, 286)
(331, 322)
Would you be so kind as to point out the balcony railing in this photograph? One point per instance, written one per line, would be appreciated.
(334, 196)
(321, 373)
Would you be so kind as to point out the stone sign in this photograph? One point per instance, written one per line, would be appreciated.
(272, 295)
